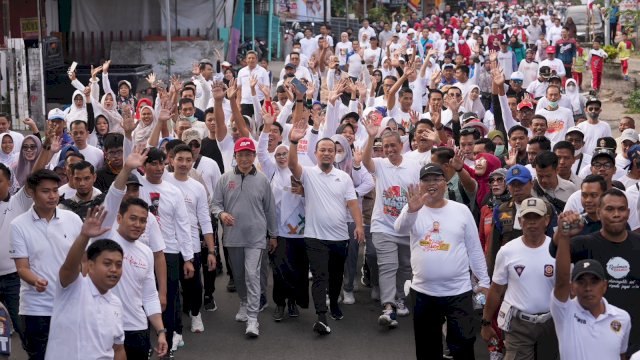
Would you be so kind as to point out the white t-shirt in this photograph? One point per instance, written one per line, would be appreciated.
(421, 158)
(442, 250)
(326, 197)
(84, 322)
(308, 46)
(581, 336)
(342, 49)
(373, 56)
(555, 64)
(592, 132)
(529, 274)
(68, 192)
(621, 161)
(558, 122)
(392, 183)
(45, 245)
(18, 204)
(93, 155)
(137, 286)
(210, 172)
(244, 79)
(628, 182)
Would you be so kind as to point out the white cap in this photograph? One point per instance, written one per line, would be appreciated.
(517, 75)
(575, 129)
(56, 114)
(411, 31)
(629, 134)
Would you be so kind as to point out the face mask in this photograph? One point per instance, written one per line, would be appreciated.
(461, 42)
(499, 150)
(191, 119)
(340, 157)
(571, 87)
(553, 104)
(594, 115)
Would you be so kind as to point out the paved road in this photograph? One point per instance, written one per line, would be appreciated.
(357, 336)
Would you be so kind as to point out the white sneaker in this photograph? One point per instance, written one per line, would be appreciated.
(375, 293)
(196, 324)
(348, 298)
(242, 314)
(327, 301)
(177, 341)
(401, 308)
(252, 328)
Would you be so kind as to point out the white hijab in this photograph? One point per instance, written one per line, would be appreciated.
(76, 112)
(142, 132)
(8, 159)
(573, 96)
(113, 116)
(474, 105)
(286, 202)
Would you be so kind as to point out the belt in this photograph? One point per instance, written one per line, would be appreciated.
(535, 319)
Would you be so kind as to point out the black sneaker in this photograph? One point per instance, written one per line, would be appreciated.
(210, 304)
(263, 303)
(293, 309)
(336, 313)
(321, 328)
(231, 286)
(278, 313)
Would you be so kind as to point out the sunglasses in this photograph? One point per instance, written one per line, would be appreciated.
(29, 147)
(468, 131)
(593, 109)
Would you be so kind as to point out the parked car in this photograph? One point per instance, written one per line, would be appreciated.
(587, 22)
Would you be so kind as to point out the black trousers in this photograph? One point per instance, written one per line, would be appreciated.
(192, 288)
(36, 335)
(209, 277)
(429, 313)
(137, 344)
(173, 282)
(290, 265)
(10, 297)
(326, 259)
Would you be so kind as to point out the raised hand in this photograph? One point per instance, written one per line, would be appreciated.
(298, 131)
(253, 81)
(311, 89)
(31, 124)
(415, 198)
(267, 118)
(414, 116)
(176, 82)
(218, 90)
(87, 93)
(105, 66)
(72, 75)
(151, 79)
(195, 68)
(436, 77)
(457, 162)
(498, 76)
(232, 91)
(128, 124)
(352, 87)
(436, 117)
(95, 71)
(512, 159)
(371, 127)
(92, 226)
(56, 144)
(493, 55)
(357, 156)
(137, 158)
(361, 87)
(266, 90)
(569, 223)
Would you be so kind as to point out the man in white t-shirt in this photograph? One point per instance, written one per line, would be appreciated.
(593, 129)
(365, 29)
(244, 80)
(308, 44)
(524, 275)
(442, 251)
(329, 192)
(587, 326)
(559, 119)
(556, 65)
(87, 316)
(91, 153)
(343, 48)
(394, 174)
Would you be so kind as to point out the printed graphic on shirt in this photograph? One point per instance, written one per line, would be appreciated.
(616, 326)
(394, 199)
(554, 126)
(433, 240)
(618, 267)
(155, 203)
(303, 146)
(138, 263)
(519, 269)
(231, 185)
(297, 229)
(548, 270)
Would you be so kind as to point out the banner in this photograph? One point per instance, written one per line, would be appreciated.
(303, 10)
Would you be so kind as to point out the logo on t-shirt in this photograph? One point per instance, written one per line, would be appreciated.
(555, 126)
(231, 185)
(519, 269)
(393, 200)
(616, 326)
(433, 240)
(155, 203)
(548, 270)
(618, 267)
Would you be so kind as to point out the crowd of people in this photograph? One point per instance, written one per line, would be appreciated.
(457, 149)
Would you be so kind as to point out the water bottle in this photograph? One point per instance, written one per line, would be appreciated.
(480, 298)
(494, 350)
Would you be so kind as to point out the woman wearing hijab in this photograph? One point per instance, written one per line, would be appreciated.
(77, 110)
(495, 197)
(363, 183)
(289, 261)
(147, 122)
(29, 152)
(8, 158)
(517, 47)
(577, 100)
(107, 105)
(473, 103)
(485, 164)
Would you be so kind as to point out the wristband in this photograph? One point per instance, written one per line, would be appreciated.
(485, 323)
(46, 147)
(300, 101)
(293, 142)
(161, 331)
(462, 168)
(356, 168)
(212, 253)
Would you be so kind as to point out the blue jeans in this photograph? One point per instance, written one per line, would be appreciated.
(10, 297)
(36, 334)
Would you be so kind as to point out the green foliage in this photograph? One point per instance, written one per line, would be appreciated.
(612, 52)
(378, 13)
(633, 102)
(339, 8)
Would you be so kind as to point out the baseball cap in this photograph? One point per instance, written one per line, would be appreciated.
(447, 66)
(411, 31)
(244, 144)
(353, 115)
(474, 123)
(587, 266)
(533, 205)
(468, 116)
(629, 134)
(607, 142)
(525, 103)
(633, 152)
(431, 169)
(290, 65)
(554, 77)
(191, 134)
(575, 129)
(500, 172)
(551, 49)
(517, 75)
(593, 101)
(544, 71)
(395, 35)
(55, 114)
(206, 61)
(225, 64)
(518, 173)
(495, 26)
(603, 151)
(133, 180)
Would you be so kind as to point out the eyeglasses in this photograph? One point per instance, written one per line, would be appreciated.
(282, 155)
(498, 180)
(115, 153)
(517, 81)
(606, 166)
(29, 147)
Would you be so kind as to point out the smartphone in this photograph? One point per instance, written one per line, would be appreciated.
(299, 85)
(268, 107)
(72, 68)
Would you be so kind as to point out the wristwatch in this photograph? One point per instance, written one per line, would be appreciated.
(211, 252)
(46, 147)
(485, 322)
(161, 331)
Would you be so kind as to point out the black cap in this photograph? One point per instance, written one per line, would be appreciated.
(290, 65)
(431, 169)
(587, 266)
(606, 152)
(544, 71)
(607, 142)
(133, 180)
(593, 101)
(353, 115)
(555, 77)
(469, 115)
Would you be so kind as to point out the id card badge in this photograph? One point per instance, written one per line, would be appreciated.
(504, 316)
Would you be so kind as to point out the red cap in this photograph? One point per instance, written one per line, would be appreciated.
(524, 104)
(244, 144)
(551, 49)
